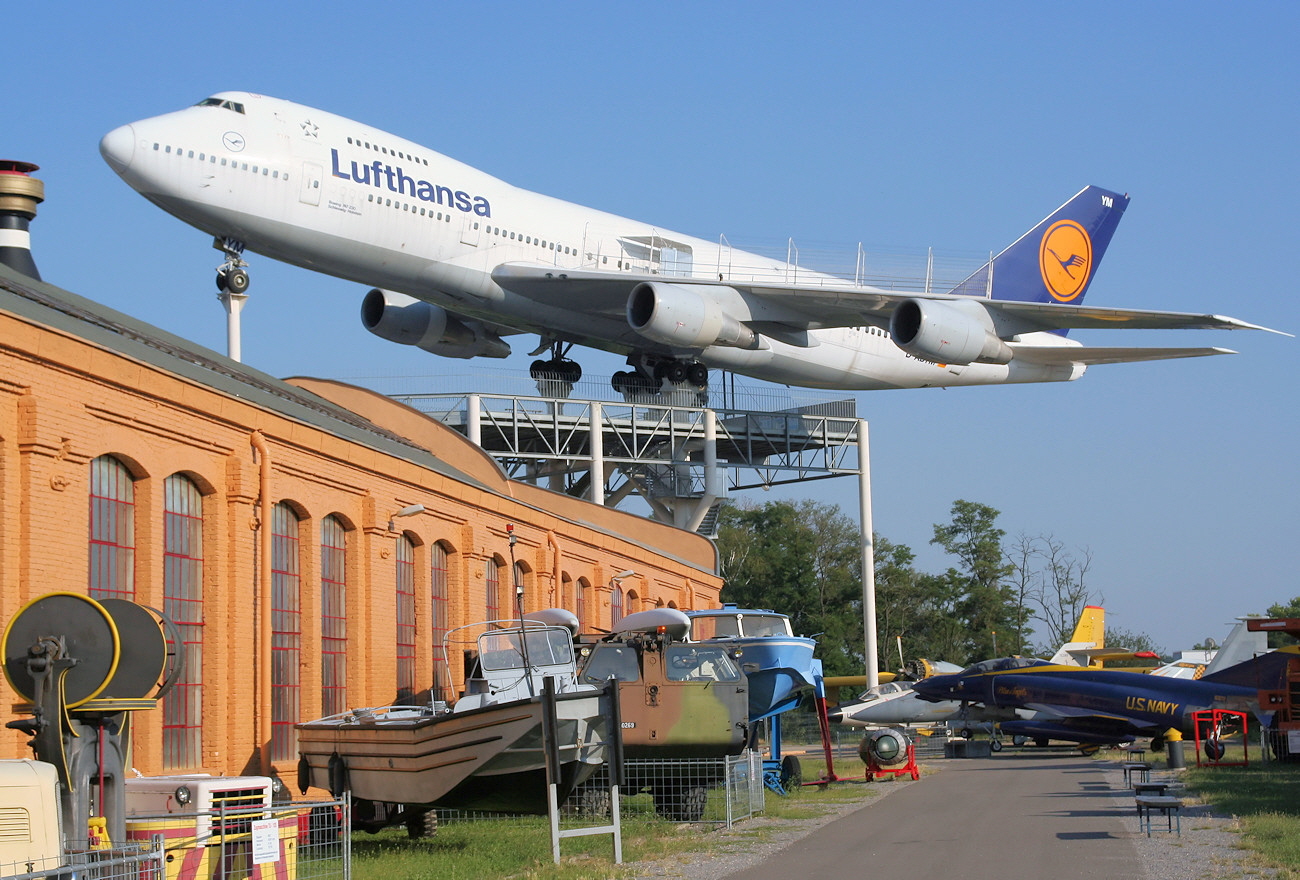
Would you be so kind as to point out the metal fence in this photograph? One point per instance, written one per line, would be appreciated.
(140, 861)
(719, 791)
(292, 841)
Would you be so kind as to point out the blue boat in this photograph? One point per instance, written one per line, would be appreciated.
(779, 665)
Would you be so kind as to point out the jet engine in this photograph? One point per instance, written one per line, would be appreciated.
(947, 332)
(689, 317)
(408, 321)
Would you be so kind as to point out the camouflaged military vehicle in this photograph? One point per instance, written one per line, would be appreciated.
(678, 700)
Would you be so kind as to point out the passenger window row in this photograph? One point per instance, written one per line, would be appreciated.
(213, 159)
(358, 142)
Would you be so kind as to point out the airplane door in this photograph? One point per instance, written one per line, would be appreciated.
(469, 232)
(312, 174)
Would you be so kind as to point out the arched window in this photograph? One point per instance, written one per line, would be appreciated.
(405, 620)
(286, 632)
(439, 593)
(580, 602)
(112, 530)
(492, 586)
(633, 602)
(333, 616)
(183, 603)
(615, 605)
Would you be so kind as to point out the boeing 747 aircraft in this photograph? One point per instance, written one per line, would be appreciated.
(459, 259)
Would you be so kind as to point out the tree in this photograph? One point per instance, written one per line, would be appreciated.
(914, 611)
(1055, 582)
(983, 599)
(803, 559)
(1118, 637)
(1291, 609)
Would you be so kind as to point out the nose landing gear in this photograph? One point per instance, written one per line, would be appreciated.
(231, 275)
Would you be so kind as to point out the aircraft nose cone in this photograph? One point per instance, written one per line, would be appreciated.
(118, 148)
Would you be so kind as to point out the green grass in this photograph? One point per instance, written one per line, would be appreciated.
(1263, 798)
(521, 847)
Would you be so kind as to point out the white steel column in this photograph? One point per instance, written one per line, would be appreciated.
(868, 558)
(234, 304)
(473, 407)
(597, 494)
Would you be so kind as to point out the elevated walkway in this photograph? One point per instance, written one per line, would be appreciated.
(679, 454)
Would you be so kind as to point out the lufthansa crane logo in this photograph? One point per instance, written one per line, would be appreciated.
(1065, 259)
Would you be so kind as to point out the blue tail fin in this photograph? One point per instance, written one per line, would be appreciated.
(1056, 260)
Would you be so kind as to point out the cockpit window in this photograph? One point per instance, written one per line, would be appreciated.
(1004, 664)
(219, 102)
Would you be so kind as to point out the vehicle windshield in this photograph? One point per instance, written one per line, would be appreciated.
(611, 661)
(730, 625)
(697, 663)
(546, 647)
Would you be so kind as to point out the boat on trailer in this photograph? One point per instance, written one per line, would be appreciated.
(484, 753)
(780, 668)
(779, 665)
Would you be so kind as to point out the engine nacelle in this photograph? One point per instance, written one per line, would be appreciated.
(690, 317)
(947, 332)
(408, 321)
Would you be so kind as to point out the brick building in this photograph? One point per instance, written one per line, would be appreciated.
(261, 516)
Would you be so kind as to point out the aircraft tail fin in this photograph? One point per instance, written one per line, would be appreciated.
(1056, 260)
(1240, 645)
(1089, 632)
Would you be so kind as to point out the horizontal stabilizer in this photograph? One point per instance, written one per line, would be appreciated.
(1090, 355)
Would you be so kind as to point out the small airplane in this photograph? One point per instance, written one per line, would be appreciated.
(1103, 706)
(896, 702)
(458, 259)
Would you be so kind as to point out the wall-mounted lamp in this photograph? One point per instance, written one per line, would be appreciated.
(411, 510)
(621, 575)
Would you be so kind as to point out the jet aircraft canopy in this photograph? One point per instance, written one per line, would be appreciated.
(1003, 664)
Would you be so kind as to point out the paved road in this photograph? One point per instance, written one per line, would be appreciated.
(1052, 817)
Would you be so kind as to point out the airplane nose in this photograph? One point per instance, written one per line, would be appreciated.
(118, 148)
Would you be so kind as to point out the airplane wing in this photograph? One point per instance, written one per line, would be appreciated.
(1088, 355)
(794, 308)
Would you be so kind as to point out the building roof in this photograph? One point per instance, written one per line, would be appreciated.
(45, 304)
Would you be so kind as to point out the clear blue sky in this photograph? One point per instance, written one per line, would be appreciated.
(901, 126)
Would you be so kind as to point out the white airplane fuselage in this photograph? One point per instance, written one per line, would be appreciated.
(329, 194)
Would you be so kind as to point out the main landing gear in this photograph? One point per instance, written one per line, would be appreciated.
(559, 368)
(231, 275)
(649, 376)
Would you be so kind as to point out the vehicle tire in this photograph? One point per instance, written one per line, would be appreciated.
(324, 826)
(681, 803)
(595, 802)
(995, 745)
(966, 733)
(675, 373)
(421, 823)
(236, 281)
(791, 773)
(1215, 749)
(698, 375)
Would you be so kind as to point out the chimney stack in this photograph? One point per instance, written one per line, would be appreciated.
(20, 193)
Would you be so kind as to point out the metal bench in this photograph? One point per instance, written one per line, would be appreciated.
(1133, 768)
(1171, 807)
(1155, 789)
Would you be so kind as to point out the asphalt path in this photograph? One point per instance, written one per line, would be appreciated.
(977, 819)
